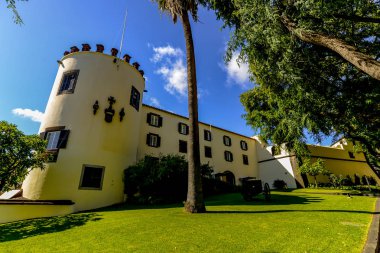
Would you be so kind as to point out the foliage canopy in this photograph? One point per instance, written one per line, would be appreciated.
(315, 64)
(18, 154)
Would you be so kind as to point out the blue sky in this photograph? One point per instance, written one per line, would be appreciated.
(28, 61)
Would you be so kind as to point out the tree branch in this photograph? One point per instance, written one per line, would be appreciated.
(351, 54)
(357, 18)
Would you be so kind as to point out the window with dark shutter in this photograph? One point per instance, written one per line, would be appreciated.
(243, 145)
(207, 135)
(245, 159)
(351, 155)
(68, 82)
(153, 140)
(154, 120)
(228, 156)
(135, 98)
(92, 177)
(226, 140)
(63, 137)
(183, 128)
(208, 152)
(182, 146)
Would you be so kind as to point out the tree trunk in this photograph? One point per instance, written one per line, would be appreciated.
(351, 54)
(315, 182)
(194, 202)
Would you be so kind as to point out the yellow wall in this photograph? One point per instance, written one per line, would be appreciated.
(91, 141)
(170, 144)
(338, 161)
(9, 213)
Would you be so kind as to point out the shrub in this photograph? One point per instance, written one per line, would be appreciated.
(155, 180)
(279, 184)
(347, 181)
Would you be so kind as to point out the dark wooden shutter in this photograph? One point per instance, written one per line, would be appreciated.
(187, 129)
(232, 157)
(63, 137)
(179, 127)
(148, 118)
(158, 141)
(43, 135)
(225, 155)
(148, 139)
(159, 121)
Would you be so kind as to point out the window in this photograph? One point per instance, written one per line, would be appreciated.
(92, 177)
(183, 128)
(154, 120)
(351, 155)
(68, 82)
(226, 140)
(243, 145)
(135, 98)
(56, 137)
(153, 140)
(182, 146)
(52, 139)
(207, 135)
(208, 152)
(245, 159)
(228, 156)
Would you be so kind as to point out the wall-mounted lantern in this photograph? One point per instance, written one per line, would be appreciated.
(109, 112)
(95, 107)
(121, 114)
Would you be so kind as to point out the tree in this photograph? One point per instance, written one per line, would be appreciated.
(11, 4)
(316, 68)
(18, 154)
(314, 169)
(179, 9)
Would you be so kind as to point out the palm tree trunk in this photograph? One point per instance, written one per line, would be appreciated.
(351, 54)
(194, 202)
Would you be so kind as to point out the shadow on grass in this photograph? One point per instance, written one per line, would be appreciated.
(299, 211)
(223, 200)
(23, 229)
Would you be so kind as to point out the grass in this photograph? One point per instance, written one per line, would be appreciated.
(291, 222)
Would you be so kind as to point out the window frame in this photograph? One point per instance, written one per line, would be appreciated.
(135, 103)
(206, 134)
(245, 160)
(84, 166)
(206, 153)
(150, 141)
(151, 121)
(228, 156)
(227, 143)
(64, 75)
(244, 145)
(182, 146)
(183, 126)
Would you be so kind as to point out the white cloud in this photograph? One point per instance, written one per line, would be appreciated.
(154, 102)
(237, 73)
(34, 115)
(161, 52)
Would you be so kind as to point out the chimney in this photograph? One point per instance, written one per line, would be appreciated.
(66, 53)
(142, 72)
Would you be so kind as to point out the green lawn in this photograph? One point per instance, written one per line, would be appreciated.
(291, 222)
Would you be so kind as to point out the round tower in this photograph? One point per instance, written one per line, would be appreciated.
(91, 125)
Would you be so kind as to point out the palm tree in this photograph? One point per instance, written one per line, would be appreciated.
(179, 9)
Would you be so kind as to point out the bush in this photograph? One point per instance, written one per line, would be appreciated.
(279, 184)
(156, 180)
(347, 181)
(164, 180)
